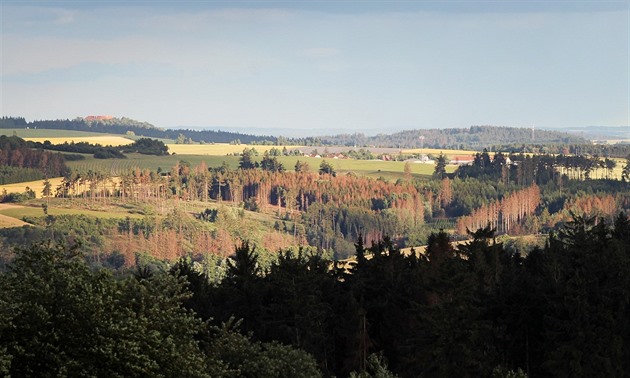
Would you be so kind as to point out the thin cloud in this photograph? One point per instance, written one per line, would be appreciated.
(64, 16)
(318, 52)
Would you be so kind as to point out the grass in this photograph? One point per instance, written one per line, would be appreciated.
(8, 222)
(390, 170)
(117, 167)
(32, 211)
(48, 133)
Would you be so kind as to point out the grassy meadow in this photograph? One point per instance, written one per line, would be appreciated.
(390, 170)
(46, 133)
(17, 212)
(7, 221)
(116, 167)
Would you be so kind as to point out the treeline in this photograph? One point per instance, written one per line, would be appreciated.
(98, 151)
(146, 146)
(470, 310)
(599, 150)
(538, 168)
(15, 153)
(10, 175)
(475, 137)
(60, 318)
(474, 309)
(126, 125)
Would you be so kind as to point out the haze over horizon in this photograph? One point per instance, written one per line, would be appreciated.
(347, 66)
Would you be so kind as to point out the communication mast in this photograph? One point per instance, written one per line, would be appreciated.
(533, 136)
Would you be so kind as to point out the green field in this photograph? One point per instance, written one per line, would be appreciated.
(46, 133)
(18, 212)
(116, 167)
(390, 170)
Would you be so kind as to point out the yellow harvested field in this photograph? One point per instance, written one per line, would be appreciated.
(106, 140)
(218, 149)
(7, 221)
(37, 186)
(437, 151)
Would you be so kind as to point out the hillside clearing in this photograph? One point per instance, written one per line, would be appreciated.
(17, 212)
(390, 170)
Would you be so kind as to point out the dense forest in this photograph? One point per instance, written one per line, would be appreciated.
(474, 137)
(475, 309)
(20, 163)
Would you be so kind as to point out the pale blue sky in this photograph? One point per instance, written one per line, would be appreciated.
(347, 66)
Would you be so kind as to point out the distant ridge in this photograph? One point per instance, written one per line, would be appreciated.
(475, 137)
(599, 132)
(113, 125)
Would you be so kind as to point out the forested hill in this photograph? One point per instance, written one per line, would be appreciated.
(124, 125)
(475, 137)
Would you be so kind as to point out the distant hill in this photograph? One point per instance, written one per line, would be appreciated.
(599, 132)
(113, 125)
(474, 137)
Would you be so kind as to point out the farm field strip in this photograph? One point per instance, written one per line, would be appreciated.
(104, 140)
(18, 212)
(8, 222)
(116, 167)
(51, 133)
(373, 168)
(36, 186)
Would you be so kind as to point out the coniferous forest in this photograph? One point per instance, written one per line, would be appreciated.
(520, 266)
(474, 309)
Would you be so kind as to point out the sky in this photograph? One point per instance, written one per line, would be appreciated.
(347, 66)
